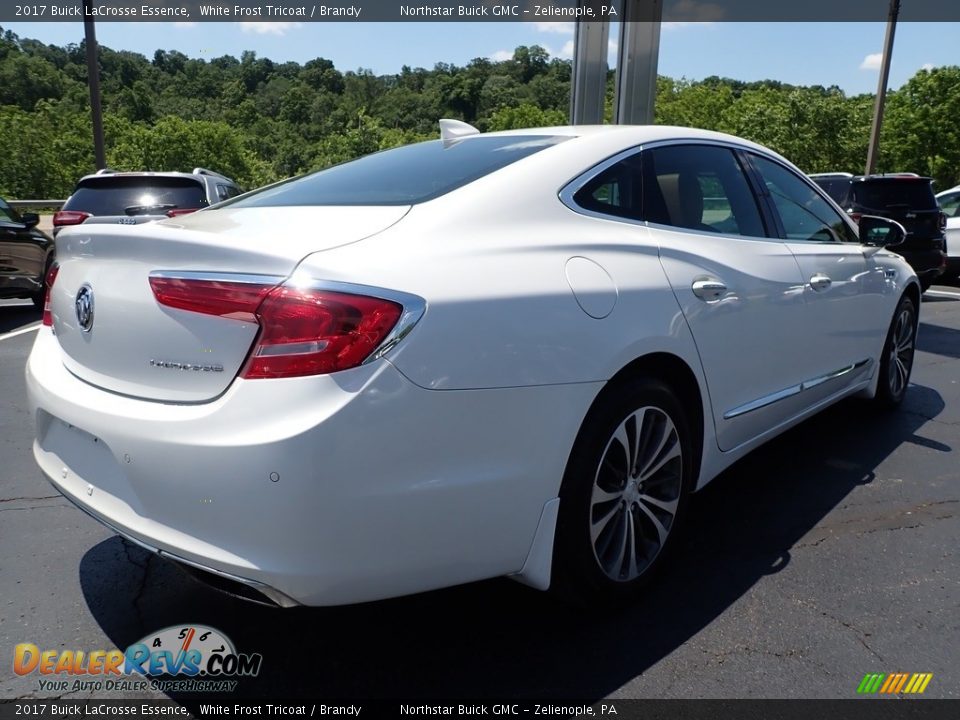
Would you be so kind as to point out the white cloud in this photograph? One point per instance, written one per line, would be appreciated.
(563, 28)
(872, 61)
(501, 55)
(184, 24)
(269, 28)
(927, 66)
(566, 51)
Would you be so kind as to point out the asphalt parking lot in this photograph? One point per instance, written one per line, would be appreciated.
(830, 553)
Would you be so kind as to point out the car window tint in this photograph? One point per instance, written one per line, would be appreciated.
(113, 195)
(615, 191)
(225, 192)
(894, 194)
(405, 175)
(699, 187)
(6, 213)
(805, 215)
(950, 205)
(838, 188)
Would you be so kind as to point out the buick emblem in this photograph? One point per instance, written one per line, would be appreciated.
(84, 308)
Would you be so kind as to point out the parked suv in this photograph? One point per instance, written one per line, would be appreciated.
(131, 198)
(905, 197)
(950, 206)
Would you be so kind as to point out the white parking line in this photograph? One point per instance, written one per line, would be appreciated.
(21, 331)
(942, 293)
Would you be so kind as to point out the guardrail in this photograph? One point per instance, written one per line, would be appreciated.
(24, 204)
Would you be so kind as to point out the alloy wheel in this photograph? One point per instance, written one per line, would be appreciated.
(901, 352)
(636, 493)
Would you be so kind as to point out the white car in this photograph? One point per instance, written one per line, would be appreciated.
(507, 354)
(950, 206)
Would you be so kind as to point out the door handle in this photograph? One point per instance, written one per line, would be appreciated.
(820, 282)
(708, 289)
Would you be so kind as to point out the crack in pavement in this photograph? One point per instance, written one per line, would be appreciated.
(41, 497)
(859, 634)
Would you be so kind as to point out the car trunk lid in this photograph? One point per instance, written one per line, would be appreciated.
(135, 346)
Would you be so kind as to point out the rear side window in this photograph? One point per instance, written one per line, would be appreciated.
(225, 192)
(405, 175)
(837, 189)
(615, 191)
(700, 187)
(894, 195)
(116, 195)
(950, 205)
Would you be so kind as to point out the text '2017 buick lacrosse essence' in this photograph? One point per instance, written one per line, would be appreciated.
(507, 354)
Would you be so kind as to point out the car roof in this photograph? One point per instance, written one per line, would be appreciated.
(197, 174)
(627, 136)
(909, 177)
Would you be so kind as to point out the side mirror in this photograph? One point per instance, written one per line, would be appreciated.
(30, 219)
(881, 232)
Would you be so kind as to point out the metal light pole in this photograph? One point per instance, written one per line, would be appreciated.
(93, 80)
(882, 87)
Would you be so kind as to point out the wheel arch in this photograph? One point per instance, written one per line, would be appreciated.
(674, 372)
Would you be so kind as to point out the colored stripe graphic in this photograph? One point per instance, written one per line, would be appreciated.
(894, 683)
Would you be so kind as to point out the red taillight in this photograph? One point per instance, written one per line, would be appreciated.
(313, 332)
(855, 216)
(303, 331)
(236, 300)
(69, 217)
(181, 211)
(48, 283)
(943, 221)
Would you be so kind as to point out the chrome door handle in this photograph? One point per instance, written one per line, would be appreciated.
(820, 282)
(708, 289)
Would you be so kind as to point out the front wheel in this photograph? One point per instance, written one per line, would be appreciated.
(624, 494)
(896, 362)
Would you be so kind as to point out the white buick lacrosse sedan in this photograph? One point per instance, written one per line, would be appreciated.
(508, 354)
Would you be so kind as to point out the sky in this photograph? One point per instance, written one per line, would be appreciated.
(843, 54)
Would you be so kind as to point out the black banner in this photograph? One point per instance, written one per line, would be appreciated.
(860, 709)
(469, 10)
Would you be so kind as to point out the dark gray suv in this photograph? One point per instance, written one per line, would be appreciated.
(130, 198)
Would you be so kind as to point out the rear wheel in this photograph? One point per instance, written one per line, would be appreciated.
(896, 363)
(624, 494)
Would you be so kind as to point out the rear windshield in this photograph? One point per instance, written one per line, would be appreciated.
(895, 194)
(405, 175)
(136, 195)
(836, 188)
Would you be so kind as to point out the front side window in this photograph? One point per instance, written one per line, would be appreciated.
(804, 213)
(699, 187)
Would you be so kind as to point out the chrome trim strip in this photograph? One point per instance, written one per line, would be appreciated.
(794, 390)
(246, 278)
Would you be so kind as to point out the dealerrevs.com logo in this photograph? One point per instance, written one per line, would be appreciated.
(186, 658)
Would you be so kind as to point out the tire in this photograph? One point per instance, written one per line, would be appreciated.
(896, 361)
(609, 545)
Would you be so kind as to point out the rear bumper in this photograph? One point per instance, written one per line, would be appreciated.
(325, 490)
(953, 266)
(928, 264)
